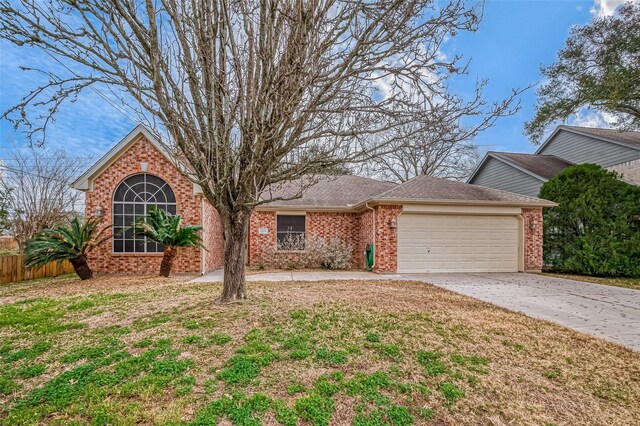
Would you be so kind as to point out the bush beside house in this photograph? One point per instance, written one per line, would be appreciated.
(595, 229)
(325, 253)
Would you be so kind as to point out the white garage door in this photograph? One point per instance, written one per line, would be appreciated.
(457, 243)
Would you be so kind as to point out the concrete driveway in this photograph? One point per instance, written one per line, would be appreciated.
(611, 313)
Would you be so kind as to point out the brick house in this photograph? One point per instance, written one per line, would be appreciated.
(423, 225)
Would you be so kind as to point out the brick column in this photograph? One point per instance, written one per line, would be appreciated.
(532, 239)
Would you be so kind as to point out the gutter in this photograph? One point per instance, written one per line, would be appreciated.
(546, 203)
(202, 255)
(268, 208)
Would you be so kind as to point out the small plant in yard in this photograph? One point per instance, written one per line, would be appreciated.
(73, 243)
(331, 253)
(166, 229)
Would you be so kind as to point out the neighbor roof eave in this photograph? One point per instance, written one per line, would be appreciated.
(586, 134)
(515, 166)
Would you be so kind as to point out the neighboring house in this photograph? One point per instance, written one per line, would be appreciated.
(422, 225)
(567, 145)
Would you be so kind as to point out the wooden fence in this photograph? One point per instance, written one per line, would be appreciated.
(12, 269)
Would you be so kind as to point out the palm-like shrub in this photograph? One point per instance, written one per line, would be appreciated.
(73, 242)
(166, 229)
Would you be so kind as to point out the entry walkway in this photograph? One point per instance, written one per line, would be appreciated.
(216, 276)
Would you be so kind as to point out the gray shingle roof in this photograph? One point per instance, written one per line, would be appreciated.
(545, 166)
(345, 192)
(629, 138)
(430, 188)
(330, 192)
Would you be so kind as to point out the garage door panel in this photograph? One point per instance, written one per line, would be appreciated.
(457, 243)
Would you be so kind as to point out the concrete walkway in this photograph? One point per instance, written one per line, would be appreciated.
(611, 313)
(216, 276)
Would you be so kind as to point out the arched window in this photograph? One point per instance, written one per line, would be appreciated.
(131, 201)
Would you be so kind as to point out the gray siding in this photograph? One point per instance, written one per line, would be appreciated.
(583, 149)
(498, 175)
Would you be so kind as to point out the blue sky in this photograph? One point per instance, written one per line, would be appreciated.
(514, 39)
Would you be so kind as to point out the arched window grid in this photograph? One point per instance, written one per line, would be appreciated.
(131, 200)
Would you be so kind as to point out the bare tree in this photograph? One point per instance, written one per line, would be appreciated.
(38, 196)
(440, 143)
(251, 93)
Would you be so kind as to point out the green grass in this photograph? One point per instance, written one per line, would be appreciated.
(105, 364)
(39, 316)
(188, 363)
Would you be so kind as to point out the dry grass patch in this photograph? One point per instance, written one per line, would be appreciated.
(145, 350)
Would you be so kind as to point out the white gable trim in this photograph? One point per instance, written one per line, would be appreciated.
(585, 134)
(85, 182)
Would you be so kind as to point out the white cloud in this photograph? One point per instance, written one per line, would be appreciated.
(590, 118)
(607, 7)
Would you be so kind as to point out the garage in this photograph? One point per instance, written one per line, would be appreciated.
(458, 243)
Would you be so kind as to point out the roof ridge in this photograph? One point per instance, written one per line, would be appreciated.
(458, 191)
(533, 154)
(599, 128)
(397, 185)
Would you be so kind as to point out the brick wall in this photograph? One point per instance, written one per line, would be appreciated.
(261, 244)
(532, 239)
(357, 228)
(345, 226)
(212, 238)
(318, 224)
(188, 205)
(365, 236)
(386, 250)
(630, 171)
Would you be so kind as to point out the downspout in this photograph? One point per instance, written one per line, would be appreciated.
(202, 258)
(373, 233)
(522, 224)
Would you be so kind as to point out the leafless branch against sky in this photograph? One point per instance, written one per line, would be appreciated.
(251, 93)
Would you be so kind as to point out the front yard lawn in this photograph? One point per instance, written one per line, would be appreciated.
(145, 350)
(632, 283)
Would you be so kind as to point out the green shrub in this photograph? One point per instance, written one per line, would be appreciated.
(595, 228)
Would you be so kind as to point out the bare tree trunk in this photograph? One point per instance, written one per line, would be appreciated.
(236, 233)
(81, 267)
(251, 94)
(167, 261)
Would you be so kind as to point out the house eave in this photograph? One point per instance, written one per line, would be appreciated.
(400, 201)
(303, 208)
